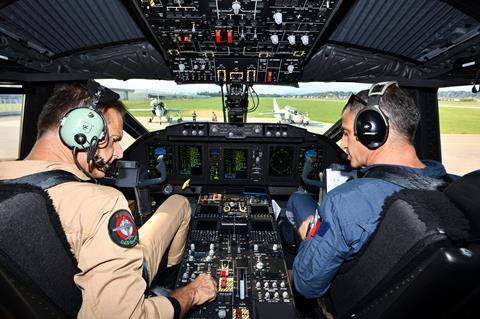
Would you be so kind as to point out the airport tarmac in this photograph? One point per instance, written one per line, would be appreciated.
(460, 152)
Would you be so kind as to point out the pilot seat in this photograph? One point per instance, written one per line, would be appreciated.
(422, 262)
(36, 266)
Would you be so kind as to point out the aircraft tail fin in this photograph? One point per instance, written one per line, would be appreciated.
(276, 109)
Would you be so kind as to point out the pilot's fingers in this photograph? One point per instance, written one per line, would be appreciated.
(206, 289)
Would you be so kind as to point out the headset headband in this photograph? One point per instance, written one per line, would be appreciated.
(376, 92)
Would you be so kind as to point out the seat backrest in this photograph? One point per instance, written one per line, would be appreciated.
(36, 266)
(410, 267)
(465, 194)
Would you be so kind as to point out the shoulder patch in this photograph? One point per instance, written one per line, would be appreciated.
(122, 229)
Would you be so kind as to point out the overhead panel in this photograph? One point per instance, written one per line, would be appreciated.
(248, 41)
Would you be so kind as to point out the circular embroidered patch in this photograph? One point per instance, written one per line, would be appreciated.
(122, 229)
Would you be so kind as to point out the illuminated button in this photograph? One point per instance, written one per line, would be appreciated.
(258, 284)
(274, 284)
(255, 247)
(276, 295)
(275, 247)
(282, 284)
(269, 76)
(266, 285)
(285, 295)
(290, 68)
(218, 37)
(179, 38)
(230, 36)
(186, 38)
(181, 67)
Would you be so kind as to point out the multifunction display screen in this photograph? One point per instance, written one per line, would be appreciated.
(280, 161)
(190, 160)
(235, 163)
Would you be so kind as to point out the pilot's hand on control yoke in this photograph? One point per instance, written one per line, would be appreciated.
(304, 227)
(205, 288)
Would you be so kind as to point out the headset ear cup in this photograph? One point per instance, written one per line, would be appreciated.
(371, 127)
(80, 126)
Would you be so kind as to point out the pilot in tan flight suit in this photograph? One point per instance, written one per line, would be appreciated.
(99, 227)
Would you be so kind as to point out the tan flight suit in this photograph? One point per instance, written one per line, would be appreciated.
(110, 276)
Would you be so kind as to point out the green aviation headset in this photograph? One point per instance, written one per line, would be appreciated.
(83, 127)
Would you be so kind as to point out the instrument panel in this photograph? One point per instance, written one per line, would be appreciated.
(247, 41)
(234, 237)
(233, 154)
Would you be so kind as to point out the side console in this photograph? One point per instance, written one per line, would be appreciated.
(236, 240)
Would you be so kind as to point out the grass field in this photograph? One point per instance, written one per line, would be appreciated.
(13, 107)
(452, 120)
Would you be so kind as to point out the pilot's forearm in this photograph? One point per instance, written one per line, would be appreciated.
(185, 297)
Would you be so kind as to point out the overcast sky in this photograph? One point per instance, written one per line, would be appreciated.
(310, 87)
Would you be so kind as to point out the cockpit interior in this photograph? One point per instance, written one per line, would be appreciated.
(237, 173)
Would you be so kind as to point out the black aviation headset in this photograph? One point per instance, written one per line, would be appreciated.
(84, 127)
(371, 124)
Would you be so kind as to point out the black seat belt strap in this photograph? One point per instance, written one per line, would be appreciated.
(46, 179)
(406, 178)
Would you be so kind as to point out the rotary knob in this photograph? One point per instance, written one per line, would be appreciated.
(259, 265)
(222, 313)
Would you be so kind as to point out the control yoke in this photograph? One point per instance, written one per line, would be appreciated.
(161, 168)
(307, 168)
